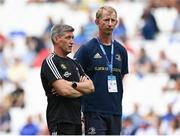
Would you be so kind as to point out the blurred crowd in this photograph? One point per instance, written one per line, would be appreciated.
(21, 52)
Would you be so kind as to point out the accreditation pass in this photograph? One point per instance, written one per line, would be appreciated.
(112, 84)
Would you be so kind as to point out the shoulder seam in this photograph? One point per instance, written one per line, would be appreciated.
(53, 67)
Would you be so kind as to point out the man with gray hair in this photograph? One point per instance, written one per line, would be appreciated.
(64, 82)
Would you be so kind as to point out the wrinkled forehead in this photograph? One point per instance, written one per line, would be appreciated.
(109, 14)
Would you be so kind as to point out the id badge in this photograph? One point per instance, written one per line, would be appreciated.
(112, 84)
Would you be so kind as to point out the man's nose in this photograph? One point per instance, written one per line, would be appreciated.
(72, 41)
(110, 22)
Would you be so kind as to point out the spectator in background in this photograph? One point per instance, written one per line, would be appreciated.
(149, 28)
(174, 127)
(41, 50)
(163, 63)
(153, 119)
(49, 25)
(18, 71)
(173, 71)
(135, 116)
(81, 37)
(43, 129)
(146, 129)
(143, 63)
(167, 118)
(37, 41)
(18, 97)
(30, 128)
(128, 128)
(120, 32)
(9, 52)
(5, 118)
(79, 40)
(47, 31)
(90, 28)
(172, 86)
(9, 101)
(31, 53)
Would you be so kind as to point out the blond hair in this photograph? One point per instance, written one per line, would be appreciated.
(107, 8)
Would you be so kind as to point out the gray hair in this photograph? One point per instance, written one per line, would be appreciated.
(107, 8)
(59, 29)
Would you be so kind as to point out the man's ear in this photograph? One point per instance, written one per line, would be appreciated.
(97, 21)
(56, 39)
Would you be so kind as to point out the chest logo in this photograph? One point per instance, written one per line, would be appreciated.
(97, 56)
(67, 74)
(118, 57)
(63, 67)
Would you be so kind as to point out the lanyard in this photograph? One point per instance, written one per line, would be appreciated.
(110, 64)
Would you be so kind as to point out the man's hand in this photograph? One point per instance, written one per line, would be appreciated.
(85, 85)
(83, 78)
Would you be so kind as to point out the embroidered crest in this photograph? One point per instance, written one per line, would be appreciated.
(67, 74)
(63, 67)
(118, 57)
